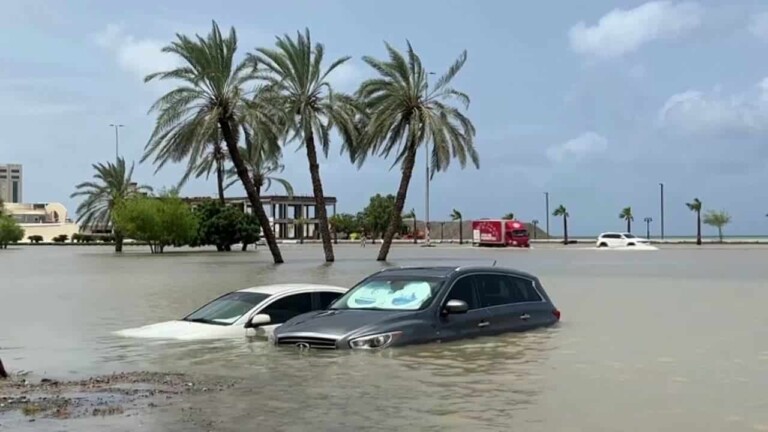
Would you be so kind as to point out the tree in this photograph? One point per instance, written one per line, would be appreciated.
(262, 163)
(211, 99)
(376, 217)
(299, 89)
(626, 214)
(412, 215)
(2, 207)
(457, 216)
(344, 223)
(508, 216)
(562, 211)
(405, 114)
(113, 184)
(160, 221)
(695, 206)
(717, 219)
(10, 231)
(223, 226)
(299, 224)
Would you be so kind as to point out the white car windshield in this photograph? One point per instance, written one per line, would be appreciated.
(390, 294)
(227, 309)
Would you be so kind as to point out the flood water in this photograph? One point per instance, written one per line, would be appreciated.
(667, 340)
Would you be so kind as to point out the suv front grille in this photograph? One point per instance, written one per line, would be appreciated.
(307, 342)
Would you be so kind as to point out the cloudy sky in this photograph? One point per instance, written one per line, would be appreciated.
(594, 101)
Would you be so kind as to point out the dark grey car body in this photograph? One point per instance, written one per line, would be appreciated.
(487, 314)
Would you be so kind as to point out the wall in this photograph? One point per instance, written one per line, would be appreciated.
(49, 230)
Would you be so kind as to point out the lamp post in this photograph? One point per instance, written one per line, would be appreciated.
(546, 195)
(648, 221)
(534, 222)
(117, 139)
(426, 158)
(661, 185)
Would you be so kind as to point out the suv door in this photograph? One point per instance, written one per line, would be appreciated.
(466, 325)
(285, 308)
(513, 303)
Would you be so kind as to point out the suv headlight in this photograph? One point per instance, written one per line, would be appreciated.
(374, 341)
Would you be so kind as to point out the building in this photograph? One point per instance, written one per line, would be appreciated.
(11, 183)
(283, 212)
(47, 220)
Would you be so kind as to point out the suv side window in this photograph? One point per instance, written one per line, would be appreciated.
(288, 307)
(464, 289)
(497, 290)
(326, 298)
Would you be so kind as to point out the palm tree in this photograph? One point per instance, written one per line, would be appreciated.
(261, 164)
(626, 214)
(211, 99)
(562, 211)
(695, 206)
(112, 185)
(412, 215)
(405, 114)
(300, 90)
(299, 224)
(509, 216)
(717, 219)
(456, 216)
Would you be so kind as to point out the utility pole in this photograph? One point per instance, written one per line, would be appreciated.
(662, 210)
(546, 195)
(117, 140)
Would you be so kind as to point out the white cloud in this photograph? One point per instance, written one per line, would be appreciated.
(758, 25)
(138, 56)
(698, 112)
(622, 31)
(586, 144)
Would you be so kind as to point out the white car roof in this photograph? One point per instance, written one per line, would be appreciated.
(282, 288)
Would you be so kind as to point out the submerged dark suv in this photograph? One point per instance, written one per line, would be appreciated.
(400, 306)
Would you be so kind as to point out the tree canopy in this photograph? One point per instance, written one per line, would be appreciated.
(10, 231)
(160, 221)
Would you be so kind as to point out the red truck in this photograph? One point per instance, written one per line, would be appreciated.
(500, 232)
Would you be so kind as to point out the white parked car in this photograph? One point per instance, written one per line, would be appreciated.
(615, 239)
(257, 310)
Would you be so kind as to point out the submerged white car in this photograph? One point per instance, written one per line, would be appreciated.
(615, 239)
(261, 309)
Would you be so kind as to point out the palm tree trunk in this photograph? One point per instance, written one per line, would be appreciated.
(250, 190)
(317, 189)
(629, 225)
(3, 373)
(402, 191)
(720, 233)
(118, 241)
(698, 228)
(565, 229)
(415, 233)
(220, 178)
(461, 231)
(245, 247)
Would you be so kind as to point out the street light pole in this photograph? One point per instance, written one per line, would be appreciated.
(546, 195)
(426, 158)
(648, 221)
(662, 210)
(117, 140)
(534, 222)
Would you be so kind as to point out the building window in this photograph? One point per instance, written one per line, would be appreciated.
(15, 193)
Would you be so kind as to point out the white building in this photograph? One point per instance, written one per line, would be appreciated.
(47, 220)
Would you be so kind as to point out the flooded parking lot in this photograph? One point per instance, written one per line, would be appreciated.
(674, 339)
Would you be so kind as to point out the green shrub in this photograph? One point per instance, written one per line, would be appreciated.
(61, 238)
(35, 238)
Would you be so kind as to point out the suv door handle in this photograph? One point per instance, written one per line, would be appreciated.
(524, 316)
(483, 324)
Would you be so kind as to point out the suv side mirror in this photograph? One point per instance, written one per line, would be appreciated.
(456, 307)
(257, 320)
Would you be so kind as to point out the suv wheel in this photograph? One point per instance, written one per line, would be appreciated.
(630, 244)
(603, 244)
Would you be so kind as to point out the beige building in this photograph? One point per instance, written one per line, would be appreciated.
(47, 220)
(11, 183)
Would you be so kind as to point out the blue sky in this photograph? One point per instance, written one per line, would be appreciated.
(594, 101)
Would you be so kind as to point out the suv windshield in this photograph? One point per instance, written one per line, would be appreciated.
(390, 294)
(226, 309)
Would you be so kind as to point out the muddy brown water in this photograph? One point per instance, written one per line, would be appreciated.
(667, 340)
